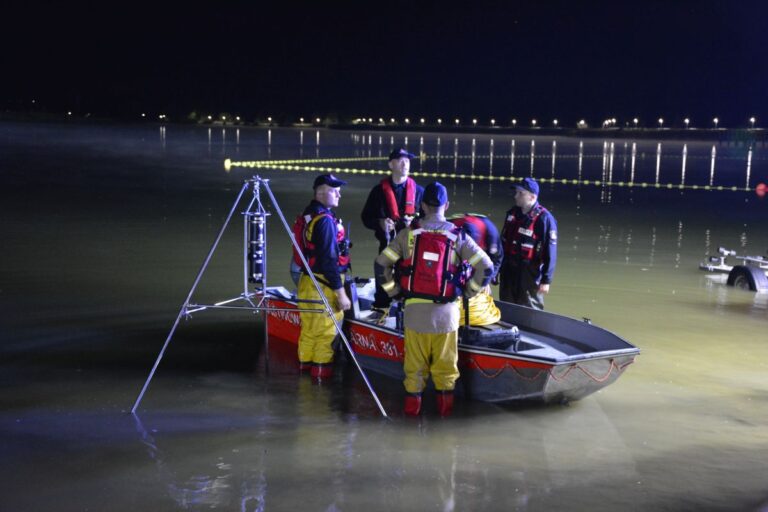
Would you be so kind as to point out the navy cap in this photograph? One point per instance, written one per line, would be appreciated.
(328, 179)
(528, 184)
(435, 194)
(400, 153)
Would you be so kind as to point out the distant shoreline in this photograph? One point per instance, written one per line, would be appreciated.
(702, 134)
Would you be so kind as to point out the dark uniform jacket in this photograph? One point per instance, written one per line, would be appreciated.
(545, 231)
(326, 250)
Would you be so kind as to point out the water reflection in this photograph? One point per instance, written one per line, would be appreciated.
(533, 155)
(658, 162)
(554, 157)
(749, 167)
(512, 157)
(712, 165)
(685, 158)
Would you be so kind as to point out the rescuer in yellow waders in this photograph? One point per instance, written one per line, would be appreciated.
(429, 259)
(326, 248)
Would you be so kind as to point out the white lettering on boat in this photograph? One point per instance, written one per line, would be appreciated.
(369, 342)
(292, 317)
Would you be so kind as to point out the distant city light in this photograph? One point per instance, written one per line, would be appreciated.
(533, 122)
(269, 119)
(474, 122)
(317, 119)
(237, 118)
(715, 121)
(514, 122)
(209, 118)
(661, 122)
(223, 118)
(69, 113)
(407, 121)
(582, 124)
(687, 122)
(635, 121)
(493, 122)
(752, 122)
(301, 119)
(457, 121)
(143, 114)
(555, 123)
(391, 120)
(439, 121)
(421, 120)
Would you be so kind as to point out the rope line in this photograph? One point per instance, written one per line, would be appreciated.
(480, 177)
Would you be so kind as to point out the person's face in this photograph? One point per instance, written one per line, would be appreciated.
(400, 167)
(523, 198)
(328, 196)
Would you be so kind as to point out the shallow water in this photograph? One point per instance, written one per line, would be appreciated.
(105, 227)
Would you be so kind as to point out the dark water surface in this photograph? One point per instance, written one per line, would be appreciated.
(105, 227)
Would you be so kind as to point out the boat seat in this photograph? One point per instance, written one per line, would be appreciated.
(500, 335)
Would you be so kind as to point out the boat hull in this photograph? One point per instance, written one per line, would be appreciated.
(489, 375)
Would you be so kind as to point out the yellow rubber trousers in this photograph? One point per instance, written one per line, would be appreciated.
(317, 329)
(430, 354)
(482, 309)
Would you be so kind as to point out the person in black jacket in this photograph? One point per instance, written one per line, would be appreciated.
(391, 207)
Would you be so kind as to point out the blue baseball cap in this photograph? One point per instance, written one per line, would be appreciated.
(435, 194)
(400, 153)
(528, 184)
(328, 179)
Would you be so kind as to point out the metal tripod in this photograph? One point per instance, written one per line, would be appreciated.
(255, 271)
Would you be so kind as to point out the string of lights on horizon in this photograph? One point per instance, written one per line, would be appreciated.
(306, 166)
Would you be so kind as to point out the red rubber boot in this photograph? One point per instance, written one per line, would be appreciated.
(444, 403)
(322, 371)
(412, 404)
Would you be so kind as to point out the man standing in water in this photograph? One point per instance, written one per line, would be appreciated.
(326, 248)
(529, 239)
(391, 207)
(428, 259)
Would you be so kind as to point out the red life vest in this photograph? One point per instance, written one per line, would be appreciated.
(432, 270)
(477, 222)
(391, 200)
(520, 240)
(301, 227)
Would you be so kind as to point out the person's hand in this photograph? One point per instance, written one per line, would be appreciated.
(543, 289)
(342, 300)
(387, 225)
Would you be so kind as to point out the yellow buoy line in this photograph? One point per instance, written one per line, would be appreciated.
(291, 165)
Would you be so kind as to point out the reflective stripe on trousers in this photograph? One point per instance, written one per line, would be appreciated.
(428, 354)
(317, 329)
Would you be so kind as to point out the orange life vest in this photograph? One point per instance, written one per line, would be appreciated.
(391, 200)
(300, 229)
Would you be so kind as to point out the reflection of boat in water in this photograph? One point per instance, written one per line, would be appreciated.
(528, 355)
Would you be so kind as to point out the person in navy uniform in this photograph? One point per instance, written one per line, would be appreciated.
(391, 207)
(529, 241)
(326, 249)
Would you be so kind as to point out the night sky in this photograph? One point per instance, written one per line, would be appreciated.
(564, 59)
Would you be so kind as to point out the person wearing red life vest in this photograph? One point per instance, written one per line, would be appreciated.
(529, 241)
(391, 207)
(326, 249)
(482, 308)
(429, 260)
